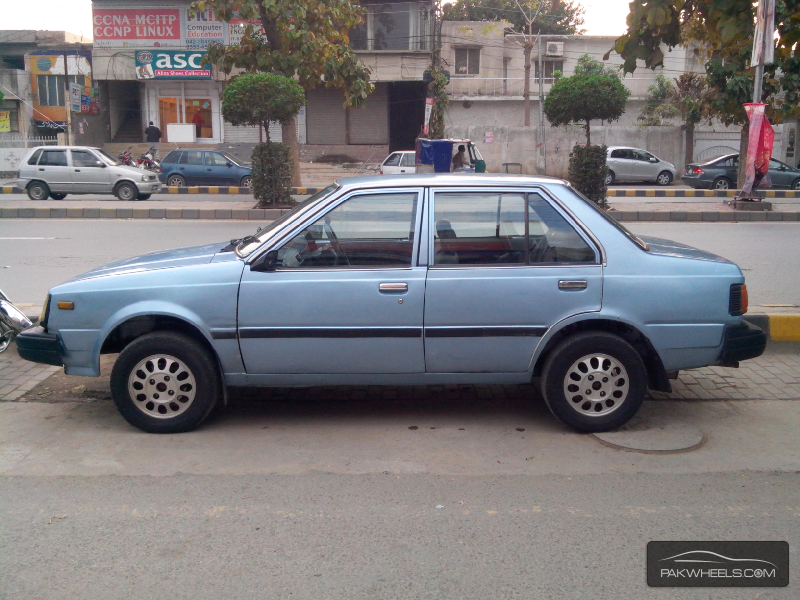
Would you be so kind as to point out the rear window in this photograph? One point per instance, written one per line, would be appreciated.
(54, 158)
(192, 157)
(172, 157)
(35, 157)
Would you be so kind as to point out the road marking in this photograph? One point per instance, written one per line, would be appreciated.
(28, 238)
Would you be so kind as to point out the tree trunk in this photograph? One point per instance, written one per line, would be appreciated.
(743, 156)
(526, 94)
(265, 124)
(588, 135)
(689, 151)
(289, 135)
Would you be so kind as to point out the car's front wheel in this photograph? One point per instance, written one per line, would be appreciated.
(165, 382)
(594, 381)
(127, 191)
(609, 177)
(246, 182)
(796, 185)
(38, 191)
(176, 181)
(721, 183)
(664, 178)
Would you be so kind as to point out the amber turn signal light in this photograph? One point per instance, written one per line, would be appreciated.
(66, 305)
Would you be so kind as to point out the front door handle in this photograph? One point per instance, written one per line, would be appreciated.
(393, 288)
(77, 170)
(572, 284)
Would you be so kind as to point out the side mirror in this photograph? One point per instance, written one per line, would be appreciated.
(268, 262)
(227, 164)
(99, 163)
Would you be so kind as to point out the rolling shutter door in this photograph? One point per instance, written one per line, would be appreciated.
(370, 123)
(249, 135)
(325, 117)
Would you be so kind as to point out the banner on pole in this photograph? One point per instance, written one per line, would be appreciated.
(759, 149)
(763, 40)
(428, 111)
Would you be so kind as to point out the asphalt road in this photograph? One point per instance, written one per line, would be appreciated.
(37, 254)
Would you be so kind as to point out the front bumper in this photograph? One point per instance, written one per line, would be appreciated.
(741, 342)
(36, 345)
(148, 187)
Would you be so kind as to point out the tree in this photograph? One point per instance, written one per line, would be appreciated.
(690, 100)
(437, 88)
(307, 40)
(593, 92)
(555, 18)
(658, 108)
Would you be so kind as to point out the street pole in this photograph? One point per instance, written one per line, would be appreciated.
(542, 151)
(67, 101)
(526, 93)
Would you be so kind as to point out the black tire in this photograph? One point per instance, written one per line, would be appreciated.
(57, 196)
(664, 178)
(796, 184)
(612, 398)
(610, 177)
(191, 397)
(246, 182)
(38, 190)
(176, 181)
(126, 191)
(144, 196)
(721, 183)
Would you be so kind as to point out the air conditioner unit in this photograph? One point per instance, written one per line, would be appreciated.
(554, 49)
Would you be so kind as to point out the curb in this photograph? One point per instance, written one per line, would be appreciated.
(209, 189)
(778, 327)
(712, 216)
(696, 193)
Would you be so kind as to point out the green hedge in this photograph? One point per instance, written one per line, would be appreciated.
(587, 172)
(272, 174)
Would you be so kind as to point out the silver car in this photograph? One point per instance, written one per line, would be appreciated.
(634, 164)
(55, 171)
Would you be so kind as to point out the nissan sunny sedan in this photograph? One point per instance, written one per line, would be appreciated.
(406, 280)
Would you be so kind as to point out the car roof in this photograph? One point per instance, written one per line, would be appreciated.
(446, 179)
(65, 148)
(627, 148)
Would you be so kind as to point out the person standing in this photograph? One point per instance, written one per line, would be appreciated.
(197, 119)
(153, 137)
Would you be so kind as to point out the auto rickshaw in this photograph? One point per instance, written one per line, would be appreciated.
(436, 156)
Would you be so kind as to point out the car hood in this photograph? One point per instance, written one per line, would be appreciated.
(166, 259)
(669, 248)
(133, 170)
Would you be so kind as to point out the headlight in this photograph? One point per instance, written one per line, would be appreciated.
(45, 312)
(145, 177)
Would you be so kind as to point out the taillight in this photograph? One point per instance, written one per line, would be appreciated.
(381, 171)
(737, 304)
(697, 171)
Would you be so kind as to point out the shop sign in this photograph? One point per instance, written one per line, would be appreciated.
(75, 91)
(51, 124)
(5, 121)
(171, 64)
(131, 27)
(201, 29)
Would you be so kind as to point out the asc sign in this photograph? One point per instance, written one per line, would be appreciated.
(171, 64)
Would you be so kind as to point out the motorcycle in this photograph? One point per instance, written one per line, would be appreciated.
(12, 321)
(149, 162)
(126, 158)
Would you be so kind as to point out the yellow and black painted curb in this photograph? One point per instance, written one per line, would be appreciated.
(779, 327)
(203, 189)
(613, 193)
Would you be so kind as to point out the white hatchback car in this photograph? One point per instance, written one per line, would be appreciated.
(399, 162)
(634, 164)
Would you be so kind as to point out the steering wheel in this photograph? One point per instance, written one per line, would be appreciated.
(336, 247)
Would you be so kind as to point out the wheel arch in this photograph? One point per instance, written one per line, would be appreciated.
(121, 181)
(656, 374)
(32, 181)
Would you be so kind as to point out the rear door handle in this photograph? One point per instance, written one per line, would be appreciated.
(393, 288)
(573, 284)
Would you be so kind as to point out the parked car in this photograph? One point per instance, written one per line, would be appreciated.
(406, 280)
(204, 167)
(721, 173)
(634, 164)
(55, 171)
(399, 162)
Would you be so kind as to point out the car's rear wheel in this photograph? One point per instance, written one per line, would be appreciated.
(664, 178)
(721, 183)
(165, 382)
(144, 196)
(127, 191)
(57, 196)
(594, 381)
(38, 190)
(176, 181)
(796, 184)
(246, 182)
(609, 177)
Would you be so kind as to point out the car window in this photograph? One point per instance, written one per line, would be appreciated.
(54, 158)
(84, 158)
(172, 157)
(559, 242)
(215, 159)
(640, 155)
(732, 161)
(35, 157)
(232, 159)
(192, 157)
(479, 228)
(775, 164)
(393, 160)
(367, 230)
(408, 159)
(620, 153)
(107, 157)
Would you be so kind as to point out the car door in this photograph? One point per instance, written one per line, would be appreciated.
(339, 294)
(407, 162)
(780, 175)
(645, 165)
(621, 162)
(55, 171)
(90, 175)
(218, 170)
(190, 166)
(391, 166)
(505, 266)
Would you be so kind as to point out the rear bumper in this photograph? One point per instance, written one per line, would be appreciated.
(741, 342)
(696, 183)
(36, 345)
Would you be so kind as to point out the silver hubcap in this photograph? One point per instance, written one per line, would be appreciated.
(722, 185)
(38, 192)
(663, 179)
(609, 179)
(247, 183)
(596, 385)
(175, 182)
(125, 193)
(162, 386)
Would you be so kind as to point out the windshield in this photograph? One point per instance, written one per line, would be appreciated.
(631, 236)
(233, 159)
(251, 242)
(107, 158)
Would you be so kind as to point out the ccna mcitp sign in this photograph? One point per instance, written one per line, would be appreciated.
(171, 64)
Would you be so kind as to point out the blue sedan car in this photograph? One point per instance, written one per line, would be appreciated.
(204, 167)
(406, 280)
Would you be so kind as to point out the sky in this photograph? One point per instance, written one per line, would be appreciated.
(603, 17)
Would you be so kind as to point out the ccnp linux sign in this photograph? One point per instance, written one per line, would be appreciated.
(171, 64)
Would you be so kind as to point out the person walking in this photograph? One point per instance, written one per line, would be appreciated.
(153, 137)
